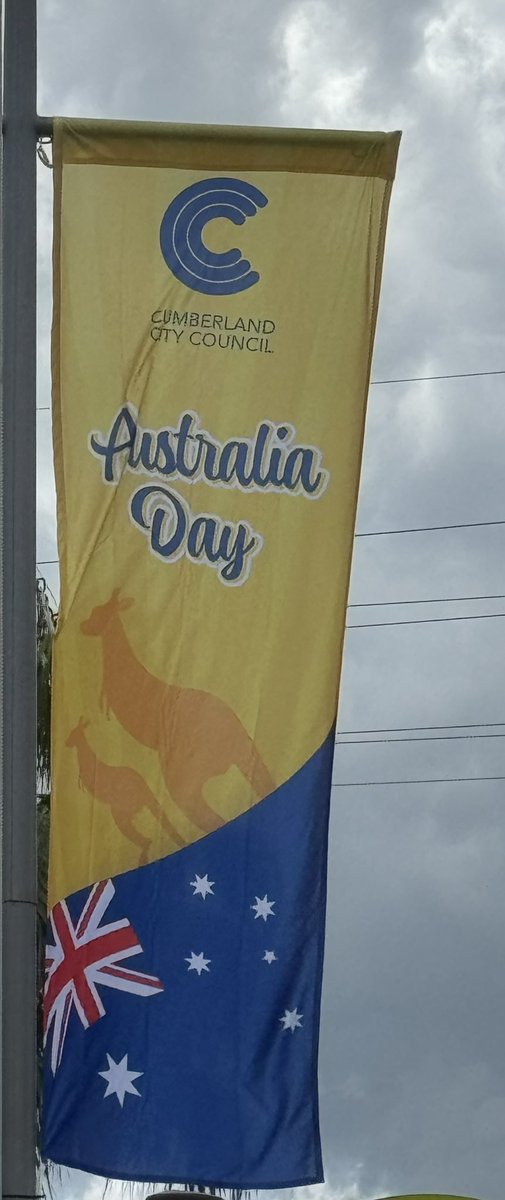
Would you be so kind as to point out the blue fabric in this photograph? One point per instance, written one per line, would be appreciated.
(227, 1095)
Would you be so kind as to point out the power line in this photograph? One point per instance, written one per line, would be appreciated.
(383, 603)
(381, 382)
(430, 378)
(423, 728)
(391, 532)
(388, 603)
(437, 600)
(404, 782)
(446, 737)
(428, 528)
(427, 621)
(44, 562)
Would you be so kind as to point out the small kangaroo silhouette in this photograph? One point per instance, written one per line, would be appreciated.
(196, 735)
(122, 789)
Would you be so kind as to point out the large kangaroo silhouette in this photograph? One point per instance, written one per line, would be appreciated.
(122, 789)
(196, 735)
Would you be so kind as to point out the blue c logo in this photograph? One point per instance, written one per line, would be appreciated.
(181, 232)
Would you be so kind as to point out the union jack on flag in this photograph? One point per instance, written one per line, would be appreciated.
(84, 956)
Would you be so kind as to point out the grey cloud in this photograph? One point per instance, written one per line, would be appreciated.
(168, 62)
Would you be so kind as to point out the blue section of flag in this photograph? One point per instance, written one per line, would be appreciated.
(212, 1080)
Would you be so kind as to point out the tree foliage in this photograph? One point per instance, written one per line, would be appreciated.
(46, 621)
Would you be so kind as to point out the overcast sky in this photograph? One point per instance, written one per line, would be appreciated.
(412, 1073)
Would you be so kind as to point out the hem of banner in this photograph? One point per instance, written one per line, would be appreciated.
(377, 276)
(57, 434)
(167, 1177)
(316, 1027)
(266, 148)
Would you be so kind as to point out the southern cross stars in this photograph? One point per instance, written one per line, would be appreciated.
(202, 886)
(269, 955)
(263, 908)
(197, 962)
(119, 1079)
(291, 1020)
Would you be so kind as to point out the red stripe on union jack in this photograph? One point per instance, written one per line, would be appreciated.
(84, 956)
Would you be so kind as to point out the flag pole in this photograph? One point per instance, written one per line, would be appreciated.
(17, 608)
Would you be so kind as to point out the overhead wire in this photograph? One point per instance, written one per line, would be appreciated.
(446, 737)
(422, 728)
(426, 621)
(44, 562)
(429, 528)
(436, 600)
(405, 782)
(382, 382)
(387, 603)
(431, 378)
(342, 735)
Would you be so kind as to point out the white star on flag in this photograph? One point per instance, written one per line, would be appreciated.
(119, 1079)
(291, 1020)
(269, 955)
(197, 962)
(263, 908)
(202, 886)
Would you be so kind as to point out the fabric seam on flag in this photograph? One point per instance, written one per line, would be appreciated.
(315, 151)
(319, 988)
(304, 1181)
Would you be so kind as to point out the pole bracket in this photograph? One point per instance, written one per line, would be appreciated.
(41, 143)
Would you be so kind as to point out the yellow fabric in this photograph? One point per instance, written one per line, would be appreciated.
(246, 675)
(230, 148)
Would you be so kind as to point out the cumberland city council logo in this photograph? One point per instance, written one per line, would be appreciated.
(183, 225)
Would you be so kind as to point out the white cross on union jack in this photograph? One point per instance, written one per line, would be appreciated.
(83, 956)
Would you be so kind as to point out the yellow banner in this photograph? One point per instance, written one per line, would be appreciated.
(216, 296)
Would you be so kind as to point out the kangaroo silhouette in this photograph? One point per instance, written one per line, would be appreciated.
(122, 789)
(196, 735)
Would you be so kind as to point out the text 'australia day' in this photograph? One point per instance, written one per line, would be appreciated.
(269, 461)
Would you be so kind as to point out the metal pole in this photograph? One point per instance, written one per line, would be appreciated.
(1, 542)
(18, 715)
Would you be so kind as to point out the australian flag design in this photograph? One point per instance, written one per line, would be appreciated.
(182, 1005)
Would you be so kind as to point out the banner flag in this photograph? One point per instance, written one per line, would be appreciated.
(216, 295)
